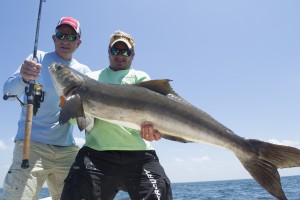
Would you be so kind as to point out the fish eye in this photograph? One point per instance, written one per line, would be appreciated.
(59, 67)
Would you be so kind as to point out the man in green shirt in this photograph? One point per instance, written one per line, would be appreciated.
(116, 157)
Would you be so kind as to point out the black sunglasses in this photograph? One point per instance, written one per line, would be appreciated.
(124, 52)
(62, 36)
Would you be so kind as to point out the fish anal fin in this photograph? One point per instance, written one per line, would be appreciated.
(174, 138)
(72, 108)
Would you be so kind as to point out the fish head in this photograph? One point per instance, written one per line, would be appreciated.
(65, 79)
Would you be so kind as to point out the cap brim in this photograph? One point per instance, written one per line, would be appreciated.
(121, 40)
(70, 26)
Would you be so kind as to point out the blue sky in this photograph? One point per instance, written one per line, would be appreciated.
(237, 60)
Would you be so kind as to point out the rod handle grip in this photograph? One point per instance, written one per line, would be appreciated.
(27, 134)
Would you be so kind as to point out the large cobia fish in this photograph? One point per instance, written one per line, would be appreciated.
(175, 118)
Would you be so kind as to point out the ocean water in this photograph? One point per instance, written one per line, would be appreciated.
(246, 189)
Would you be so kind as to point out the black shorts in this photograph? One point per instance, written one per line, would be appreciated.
(99, 175)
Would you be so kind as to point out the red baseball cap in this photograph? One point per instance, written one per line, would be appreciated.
(71, 22)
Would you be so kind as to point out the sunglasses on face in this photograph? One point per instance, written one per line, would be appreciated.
(62, 36)
(124, 52)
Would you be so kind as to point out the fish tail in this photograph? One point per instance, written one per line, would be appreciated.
(268, 158)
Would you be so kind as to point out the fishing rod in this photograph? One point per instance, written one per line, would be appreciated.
(34, 95)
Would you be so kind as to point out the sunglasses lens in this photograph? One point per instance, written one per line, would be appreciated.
(114, 51)
(60, 35)
(126, 52)
(71, 37)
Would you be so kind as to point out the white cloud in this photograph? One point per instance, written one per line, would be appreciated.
(179, 160)
(286, 142)
(2, 145)
(202, 159)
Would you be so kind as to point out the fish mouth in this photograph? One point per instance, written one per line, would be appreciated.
(70, 90)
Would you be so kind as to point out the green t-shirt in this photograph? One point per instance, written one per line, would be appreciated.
(109, 136)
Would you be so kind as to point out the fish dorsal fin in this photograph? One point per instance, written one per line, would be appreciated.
(160, 86)
(163, 87)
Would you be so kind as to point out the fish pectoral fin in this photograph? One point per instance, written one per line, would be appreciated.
(72, 108)
(85, 123)
(174, 138)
